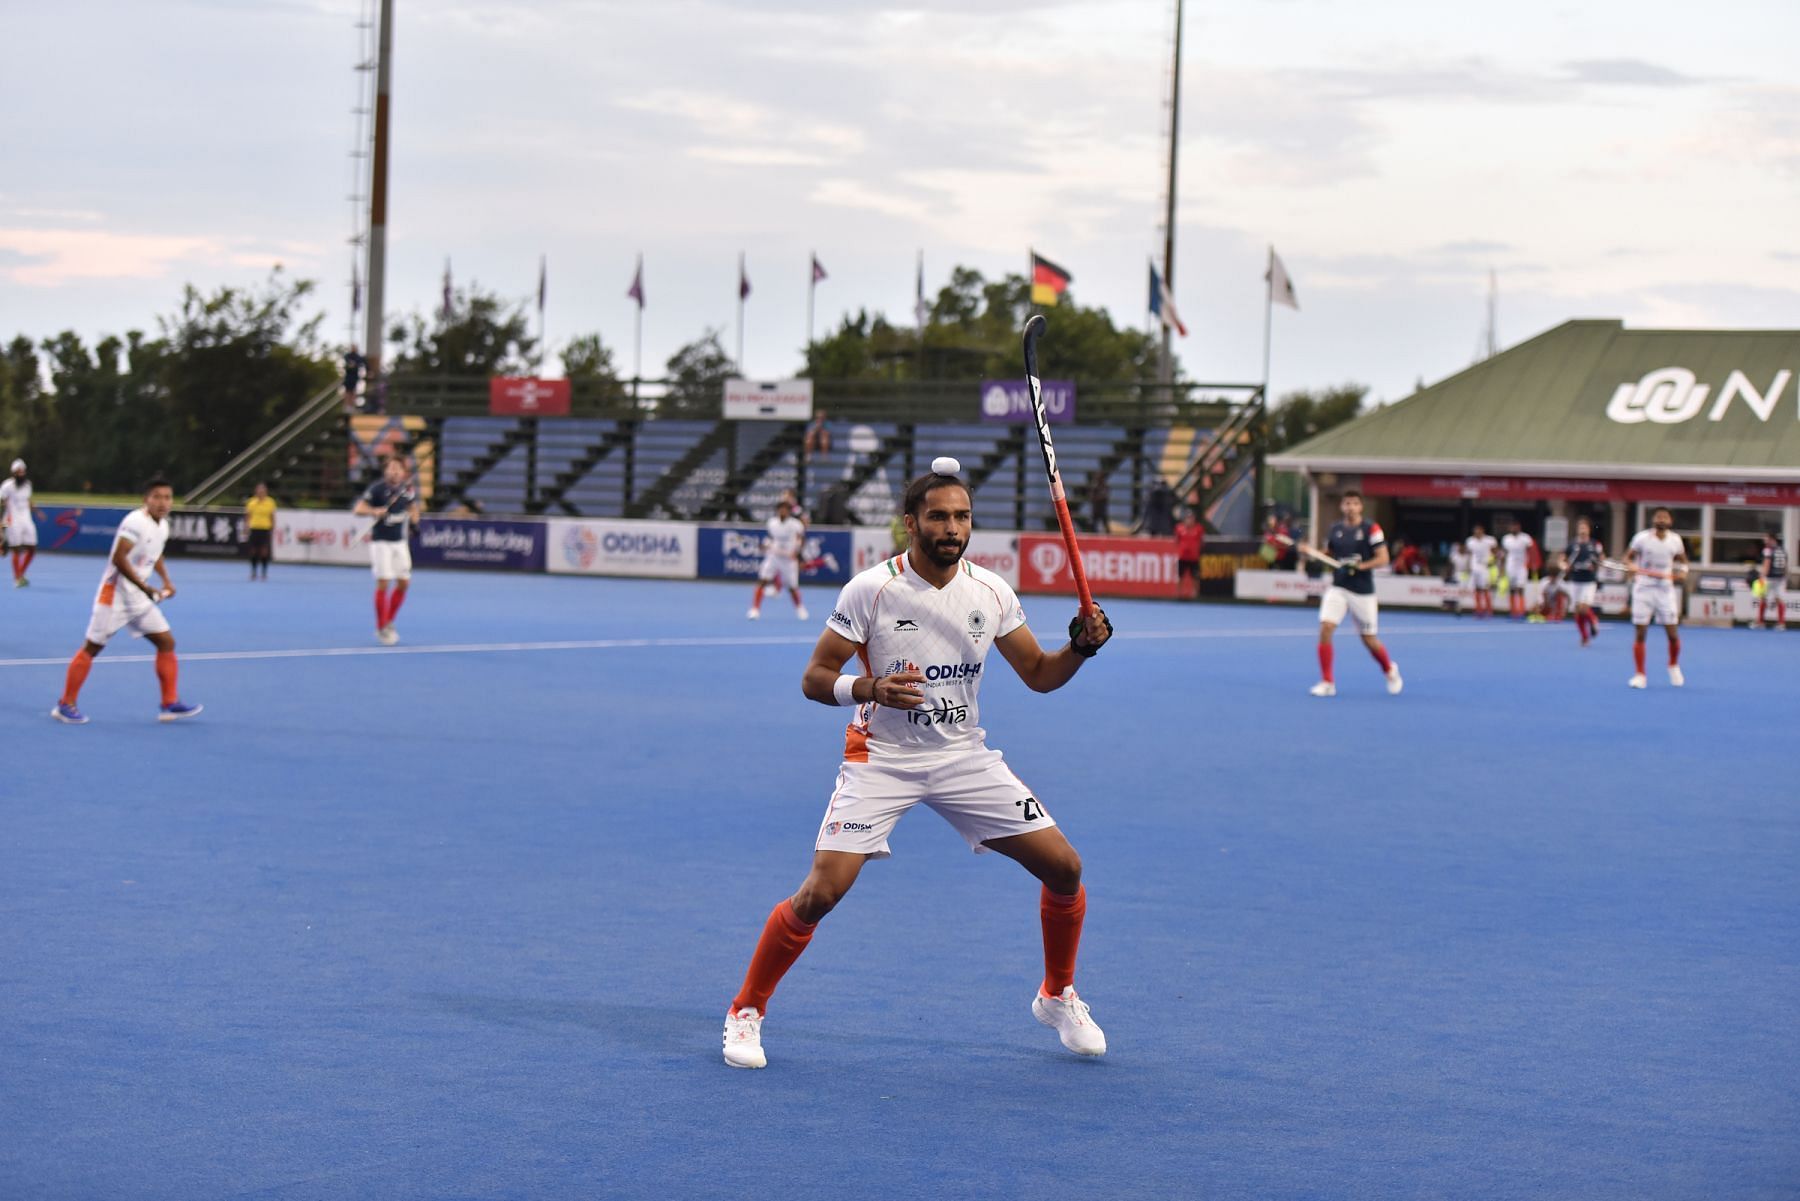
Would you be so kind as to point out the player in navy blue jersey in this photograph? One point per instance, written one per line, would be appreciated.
(1361, 547)
(1772, 572)
(1581, 567)
(394, 504)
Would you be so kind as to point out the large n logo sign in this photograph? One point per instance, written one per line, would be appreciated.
(1672, 395)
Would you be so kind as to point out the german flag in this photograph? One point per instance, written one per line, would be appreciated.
(1048, 281)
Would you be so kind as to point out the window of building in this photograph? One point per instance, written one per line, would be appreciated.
(1738, 533)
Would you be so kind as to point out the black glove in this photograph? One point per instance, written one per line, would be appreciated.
(1077, 628)
(1352, 563)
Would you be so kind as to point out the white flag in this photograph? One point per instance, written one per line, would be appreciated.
(1281, 288)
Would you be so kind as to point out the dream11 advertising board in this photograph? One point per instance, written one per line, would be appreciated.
(1115, 566)
(736, 553)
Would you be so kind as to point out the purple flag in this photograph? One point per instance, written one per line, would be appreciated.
(818, 271)
(637, 284)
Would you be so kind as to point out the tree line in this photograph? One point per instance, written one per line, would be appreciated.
(228, 365)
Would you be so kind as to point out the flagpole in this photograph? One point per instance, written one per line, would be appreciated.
(542, 264)
(1167, 365)
(740, 315)
(1268, 319)
(812, 284)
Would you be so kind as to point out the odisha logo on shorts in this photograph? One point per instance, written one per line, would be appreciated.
(580, 547)
(832, 828)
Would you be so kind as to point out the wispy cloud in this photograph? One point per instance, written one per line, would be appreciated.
(1627, 72)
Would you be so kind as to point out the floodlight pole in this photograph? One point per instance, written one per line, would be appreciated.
(377, 273)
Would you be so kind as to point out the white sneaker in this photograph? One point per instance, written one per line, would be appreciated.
(743, 1039)
(388, 635)
(1676, 679)
(1068, 1016)
(1395, 683)
(800, 612)
(754, 614)
(1638, 681)
(1323, 688)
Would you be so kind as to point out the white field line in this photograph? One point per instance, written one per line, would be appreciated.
(608, 644)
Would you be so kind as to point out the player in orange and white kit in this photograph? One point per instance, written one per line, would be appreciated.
(1481, 547)
(919, 626)
(781, 560)
(126, 598)
(20, 521)
(1657, 561)
(1516, 546)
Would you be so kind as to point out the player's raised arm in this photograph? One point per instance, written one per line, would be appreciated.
(1046, 671)
(898, 690)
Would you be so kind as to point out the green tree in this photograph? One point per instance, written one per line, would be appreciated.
(482, 336)
(24, 403)
(697, 374)
(1301, 415)
(588, 364)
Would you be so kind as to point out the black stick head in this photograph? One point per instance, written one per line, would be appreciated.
(1034, 328)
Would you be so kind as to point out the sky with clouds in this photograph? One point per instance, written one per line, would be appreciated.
(1603, 159)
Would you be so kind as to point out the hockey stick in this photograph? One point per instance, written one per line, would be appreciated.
(1034, 329)
(1311, 552)
(1625, 568)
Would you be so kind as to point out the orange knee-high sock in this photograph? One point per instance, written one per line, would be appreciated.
(1637, 656)
(784, 936)
(395, 599)
(165, 675)
(1061, 917)
(16, 558)
(78, 672)
(30, 553)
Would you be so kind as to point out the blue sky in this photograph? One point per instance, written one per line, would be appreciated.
(1604, 159)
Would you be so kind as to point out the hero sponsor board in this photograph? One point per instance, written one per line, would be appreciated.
(321, 536)
(736, 553)
(663, 549)
(1402, 591)
(478, 542)
(1115, 566)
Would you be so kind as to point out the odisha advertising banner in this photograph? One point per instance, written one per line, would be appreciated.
(78, 527)
(509, 397)
(213, 534)
(1008, 402)
(1115, 566)
(736, 552)
(663, 549)
(478, 542)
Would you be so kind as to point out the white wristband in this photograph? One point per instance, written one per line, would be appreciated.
(845, 689)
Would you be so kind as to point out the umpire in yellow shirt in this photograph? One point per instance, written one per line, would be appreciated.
(260, 512)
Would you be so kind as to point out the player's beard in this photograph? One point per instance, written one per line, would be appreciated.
(945, 552)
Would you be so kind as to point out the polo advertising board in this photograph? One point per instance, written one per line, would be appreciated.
(207, 533)
(321, 536)
(78, 528)
(779, 400)
(736, 553)
(526, 397)
(659, 549)
(478, 542)
(1115, 566)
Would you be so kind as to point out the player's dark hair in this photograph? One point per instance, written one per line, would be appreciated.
(155, 482)
(1349, 492)
(917, 491)
(1663, 509)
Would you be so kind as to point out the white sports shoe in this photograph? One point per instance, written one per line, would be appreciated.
(1676, 679)
(1638, 681)
(388, 635)
(1323, 688)
(1395, 683)
(1068, 1016)
(754, 614)
(800, 612)
(743, 1039)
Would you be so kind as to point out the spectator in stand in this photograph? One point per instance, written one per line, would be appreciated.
(354, 368)
(1100, 497)
(818, 438)
(1411, 560)
(1278, 543)
(1190, 537)
(1159, 509)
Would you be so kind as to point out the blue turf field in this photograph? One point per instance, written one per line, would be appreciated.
(448, 922)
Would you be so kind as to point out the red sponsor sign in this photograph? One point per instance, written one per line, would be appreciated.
(1503, 487)
(524, 397)
(1115, 566)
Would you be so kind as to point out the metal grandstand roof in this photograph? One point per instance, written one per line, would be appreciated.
(1592, 398)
